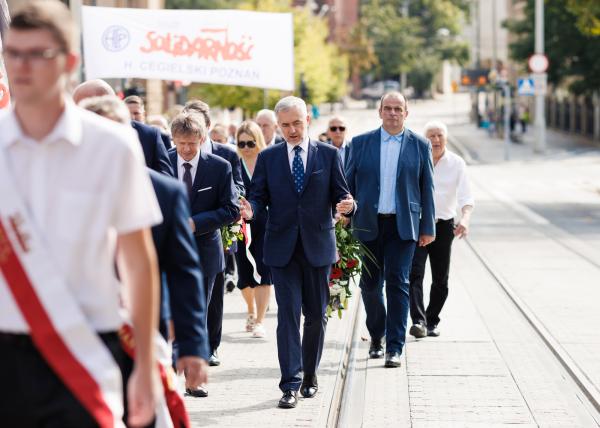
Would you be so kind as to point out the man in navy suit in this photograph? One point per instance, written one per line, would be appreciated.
(215, 308)
(267, 121)
(213, 198)
(390, 171)
(299, 182)
(336, 133)
(136, 107)
(183, 296)
(155, 153)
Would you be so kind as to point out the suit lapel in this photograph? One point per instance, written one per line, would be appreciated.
(375, 145)
(405, 141)
(285, 162)
(173, 159)
(200, 174)
(311, 159)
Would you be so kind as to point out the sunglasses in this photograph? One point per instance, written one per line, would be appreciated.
(336, 128)
(250, 144)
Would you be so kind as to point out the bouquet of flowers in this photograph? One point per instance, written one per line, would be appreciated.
(351, 253)
(230, 234)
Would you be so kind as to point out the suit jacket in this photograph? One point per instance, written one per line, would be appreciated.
(214, 203)
(154, 149)
(415, 214)
(229, 154)
(291, 215)
(179, 265)
(278, 139)
(166, 139)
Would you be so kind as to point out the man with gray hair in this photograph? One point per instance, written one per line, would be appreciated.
(300, 182)
(267, 121)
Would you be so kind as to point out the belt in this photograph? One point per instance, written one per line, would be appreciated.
(24, 340)
(386, 215)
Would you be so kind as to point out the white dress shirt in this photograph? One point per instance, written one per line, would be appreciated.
(181, 169)
(303, 153)
(83, 184)
(451, 185)
(206, 147)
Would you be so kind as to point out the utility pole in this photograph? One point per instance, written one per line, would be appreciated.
(540, 113)
(405, 6)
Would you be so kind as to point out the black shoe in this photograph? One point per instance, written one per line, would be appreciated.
(376, 349)
(418, 330)
(289, 400)
(433, 331)
(199, 392)
(229, 286)
(213, 360)
(309, 386)
(392, 359)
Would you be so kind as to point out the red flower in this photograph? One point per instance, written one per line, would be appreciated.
(351, 263)
(336, 273)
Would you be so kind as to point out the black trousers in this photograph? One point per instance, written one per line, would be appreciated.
(439, 260)
(214, 323)
(33, 396)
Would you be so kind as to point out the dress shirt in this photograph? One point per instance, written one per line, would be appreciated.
(78, 207)
(303, 153)
(181, 169)
(390, 154)
(342, 151)
(206, 147)
(451, 185)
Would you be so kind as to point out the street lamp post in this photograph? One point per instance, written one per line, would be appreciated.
(540, 114)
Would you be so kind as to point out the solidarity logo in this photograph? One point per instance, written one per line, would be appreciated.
(115, 38)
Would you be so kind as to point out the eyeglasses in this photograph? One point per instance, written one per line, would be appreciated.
(250, 144)
(36, 56)
(336, 128)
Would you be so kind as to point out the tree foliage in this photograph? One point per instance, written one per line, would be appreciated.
(322, 66)
(571, 46)
(415, 44)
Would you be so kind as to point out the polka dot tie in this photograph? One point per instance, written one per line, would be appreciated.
(298, 169)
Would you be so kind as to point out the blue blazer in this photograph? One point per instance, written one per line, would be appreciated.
(307, 214)
(166, 139)
(414, 186)
(183, 290)
(154, 149)
(214, 203)
(229, 153)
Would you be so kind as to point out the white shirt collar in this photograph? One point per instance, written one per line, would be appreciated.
(193, 161)
(303, 144)
(206, 147)
(67, 128)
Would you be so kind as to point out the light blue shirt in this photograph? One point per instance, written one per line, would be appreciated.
(390, 154)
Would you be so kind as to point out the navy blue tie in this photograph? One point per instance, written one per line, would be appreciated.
(298, 169)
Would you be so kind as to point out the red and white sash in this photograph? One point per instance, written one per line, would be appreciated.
(58, 327)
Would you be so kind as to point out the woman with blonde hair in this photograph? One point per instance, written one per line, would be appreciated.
(254, 277)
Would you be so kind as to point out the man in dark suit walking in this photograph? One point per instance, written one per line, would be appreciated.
(213, 198)
(299, 182)
(215, 308)
(390, 171)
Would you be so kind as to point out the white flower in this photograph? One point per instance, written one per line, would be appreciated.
(335, 289)
(236, 228)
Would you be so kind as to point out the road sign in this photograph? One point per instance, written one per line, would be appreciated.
(540, 83)
(538, 63)
(526, 86)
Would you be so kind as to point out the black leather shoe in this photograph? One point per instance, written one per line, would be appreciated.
(433, 331)
(289, 399)
(376, 349)
(392, 359)
(418, 330)
(309, 386)
(229, 286)
(199, 392)
(213, 360)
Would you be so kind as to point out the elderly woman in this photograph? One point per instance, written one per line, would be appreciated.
(452, 191)
(254, 277)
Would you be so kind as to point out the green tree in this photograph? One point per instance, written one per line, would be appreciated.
(416, 44)
(572, 49)
(323, 66)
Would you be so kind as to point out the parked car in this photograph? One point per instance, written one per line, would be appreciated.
(376, 89)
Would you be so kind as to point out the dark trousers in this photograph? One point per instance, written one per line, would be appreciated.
(439, 260)
(33, 396)
(230, 267)
(300, 287)
(393, 256)
(214, 323)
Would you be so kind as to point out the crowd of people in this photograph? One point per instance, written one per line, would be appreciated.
(107, 212)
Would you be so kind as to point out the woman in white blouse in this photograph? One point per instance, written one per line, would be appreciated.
(452, 191)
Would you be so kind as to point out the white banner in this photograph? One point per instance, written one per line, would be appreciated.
(229, 47)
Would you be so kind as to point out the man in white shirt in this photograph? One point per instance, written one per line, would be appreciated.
(451, 191)
(57, 156)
